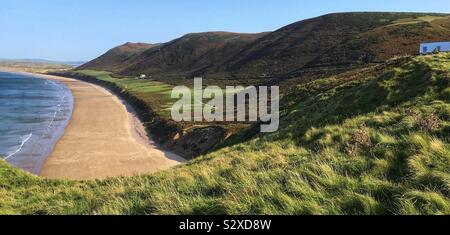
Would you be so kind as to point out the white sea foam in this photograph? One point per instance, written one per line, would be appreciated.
(25, 139)
(53, 84)
(29, 151)
(59, 106)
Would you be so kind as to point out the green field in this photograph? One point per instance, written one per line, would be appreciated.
(154, 93)
(371, 141)
(157, 95)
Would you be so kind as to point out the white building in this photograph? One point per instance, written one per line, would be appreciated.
(434, 47)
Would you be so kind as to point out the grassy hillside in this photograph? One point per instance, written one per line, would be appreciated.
(370, 141)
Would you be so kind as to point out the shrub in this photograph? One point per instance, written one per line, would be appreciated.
(360, 140)
(427, 122)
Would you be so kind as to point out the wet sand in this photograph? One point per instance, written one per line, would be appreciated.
(104, 139)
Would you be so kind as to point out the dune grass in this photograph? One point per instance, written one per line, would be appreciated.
(374, 144)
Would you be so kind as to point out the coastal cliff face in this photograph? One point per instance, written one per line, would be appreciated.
(169, 134)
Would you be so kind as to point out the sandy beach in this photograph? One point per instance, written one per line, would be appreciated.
(104, 139)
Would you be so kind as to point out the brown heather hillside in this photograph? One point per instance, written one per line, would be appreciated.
(116, 59)
(400, 37)
(327, 42)
(338, 40)
(190, 54)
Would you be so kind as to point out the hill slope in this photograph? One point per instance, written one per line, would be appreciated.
(368, 141)
(190, 54)
(183, 56)
(339, 39)
(116, 59)
(326, 42)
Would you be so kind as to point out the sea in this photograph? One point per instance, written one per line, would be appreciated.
(34, 113)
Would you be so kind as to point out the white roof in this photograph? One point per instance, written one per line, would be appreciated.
(435, 43)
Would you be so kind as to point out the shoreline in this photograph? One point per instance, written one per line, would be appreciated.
(38, 143)
(110, 139)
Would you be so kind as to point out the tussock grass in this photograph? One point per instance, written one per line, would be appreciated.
(396, 166)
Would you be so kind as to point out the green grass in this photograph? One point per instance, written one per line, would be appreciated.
(368, 142)
(156, 94)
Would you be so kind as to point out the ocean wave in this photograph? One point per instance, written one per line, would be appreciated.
(52, 83)
(37, 106)
(25, 139)
(59, 109)
(61, 101)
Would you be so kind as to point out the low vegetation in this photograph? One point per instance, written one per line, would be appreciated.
(152, 102)
(156, 94)
(33, 67)
(371, 141)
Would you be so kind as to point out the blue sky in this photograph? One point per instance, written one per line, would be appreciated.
(69, 30)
